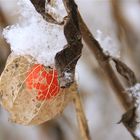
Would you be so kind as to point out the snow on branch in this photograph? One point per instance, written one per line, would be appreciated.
(135, 92)
(109, 47)
(131, 119)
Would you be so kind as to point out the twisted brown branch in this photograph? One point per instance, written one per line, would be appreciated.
(128, 118)
(104, 60)
(126, 34)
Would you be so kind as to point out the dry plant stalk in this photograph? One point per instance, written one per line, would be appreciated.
(126, 34)
(104, 62)
(129, 118)
(3, 22)
(52, 129)
(81, 118)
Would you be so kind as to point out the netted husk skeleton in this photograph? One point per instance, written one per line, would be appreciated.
(21, 86)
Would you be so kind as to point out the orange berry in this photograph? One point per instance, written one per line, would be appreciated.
(44, 81)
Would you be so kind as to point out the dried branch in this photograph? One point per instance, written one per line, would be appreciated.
(81, 118)
(52, 128)
(128, 118)
(104, 62)
(126, 34)
(125, 71)
(3, 22)
(122, 23)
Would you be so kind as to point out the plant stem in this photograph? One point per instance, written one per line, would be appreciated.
(81, 118)
(104, 63)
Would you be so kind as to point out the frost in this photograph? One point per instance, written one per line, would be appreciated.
(56, 9)
(109, 47)
(34, 36)
(135, 92)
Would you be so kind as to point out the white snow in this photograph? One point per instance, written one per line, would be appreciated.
(108, 45)
(135, 89)
(68, 75)
(34, 36)
(56, 9)
(135, 92)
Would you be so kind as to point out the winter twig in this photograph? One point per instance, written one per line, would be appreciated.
(104, 62)
(81, 118)
(126, 34)
(129, 118)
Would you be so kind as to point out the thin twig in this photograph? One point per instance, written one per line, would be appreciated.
(3, 22)
(81, 118)
(126, 34)
(52, 128)
(128, 119)
(103, 60)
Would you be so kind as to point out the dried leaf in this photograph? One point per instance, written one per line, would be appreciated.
(129, 121)
(66, 59)
(40, 7)
(125, 71)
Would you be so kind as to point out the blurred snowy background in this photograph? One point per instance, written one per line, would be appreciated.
(102, 109)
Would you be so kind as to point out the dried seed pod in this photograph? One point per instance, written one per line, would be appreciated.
(31, 92)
